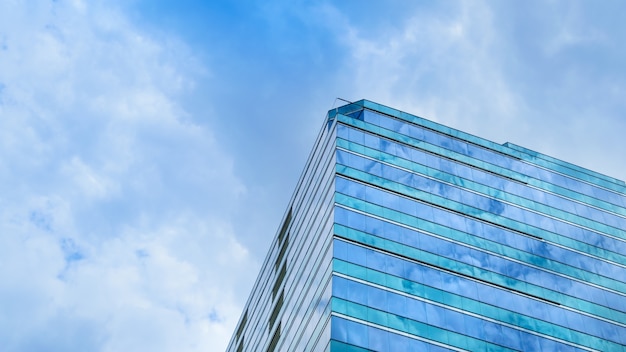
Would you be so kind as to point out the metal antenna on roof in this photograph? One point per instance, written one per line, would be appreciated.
(335, 102)
(347, 101)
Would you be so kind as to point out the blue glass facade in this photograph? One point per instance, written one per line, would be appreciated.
(407, 235)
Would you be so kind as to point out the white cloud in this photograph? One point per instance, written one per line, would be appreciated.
(112, 230)
(435, 62)
(115, 197)
(502, 72)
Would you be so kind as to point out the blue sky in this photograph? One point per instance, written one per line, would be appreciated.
(148, 149)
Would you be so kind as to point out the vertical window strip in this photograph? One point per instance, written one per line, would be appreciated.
(276, 310)
(281, 254)
(279, 280)
(242, 325)
(274, 340)
(283, 229)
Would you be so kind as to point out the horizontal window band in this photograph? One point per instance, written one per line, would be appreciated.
(572, 296)
(409, 141)
(448, 135)
(412, 327)
(430, 238)
(425, 150)
(552, 167)
(336, 345)
(549, 295)
(454, 272)
(612, 246)
(336, 342)
(548, 236)
(421, 292)
(348, 176)
(545, 162)
(565, 243)
(528, 317)
(455, 180)
(617, 184)
(537, 184)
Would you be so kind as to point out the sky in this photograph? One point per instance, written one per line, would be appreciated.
(149, 148)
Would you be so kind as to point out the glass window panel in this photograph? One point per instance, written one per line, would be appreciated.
(358, 335)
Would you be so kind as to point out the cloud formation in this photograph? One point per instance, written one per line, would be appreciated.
(113, 200)
(543, 76)
(147, 151)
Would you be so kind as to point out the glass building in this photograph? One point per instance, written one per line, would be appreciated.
(407, 235)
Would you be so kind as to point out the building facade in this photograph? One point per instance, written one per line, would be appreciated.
(407, 235)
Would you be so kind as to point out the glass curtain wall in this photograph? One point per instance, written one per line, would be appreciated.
(404, 234)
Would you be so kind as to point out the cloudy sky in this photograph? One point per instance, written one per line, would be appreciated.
(148, 148)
